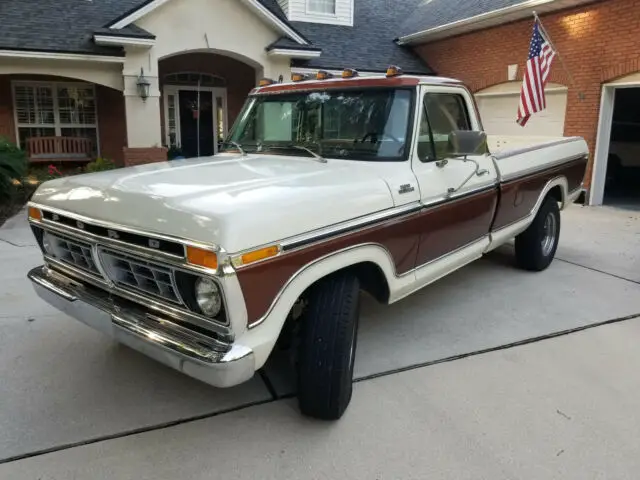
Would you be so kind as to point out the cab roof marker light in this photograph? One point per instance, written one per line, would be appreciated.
(394, 71)
(266, 81)
(323, 75)
(349, 73)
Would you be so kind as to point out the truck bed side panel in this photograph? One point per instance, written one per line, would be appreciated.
(519, 196)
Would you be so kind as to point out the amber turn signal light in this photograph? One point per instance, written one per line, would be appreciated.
(349, 73)
(265, 81)
(394, 71)
(256, 255)
(35, 213)
(202, 258)
(323, 75)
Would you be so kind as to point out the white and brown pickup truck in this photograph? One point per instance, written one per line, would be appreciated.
(328, 186)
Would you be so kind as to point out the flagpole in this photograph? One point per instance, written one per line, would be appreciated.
(544, 31)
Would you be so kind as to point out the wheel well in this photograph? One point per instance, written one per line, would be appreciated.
(556, 194)
(372, 281)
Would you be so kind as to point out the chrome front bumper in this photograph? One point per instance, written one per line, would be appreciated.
(199, 356)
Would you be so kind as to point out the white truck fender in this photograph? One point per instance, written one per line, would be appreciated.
(262, 335)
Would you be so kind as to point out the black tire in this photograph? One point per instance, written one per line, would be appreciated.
(326, 351)
(532, 250)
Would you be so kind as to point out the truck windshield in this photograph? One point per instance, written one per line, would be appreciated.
(351, 124)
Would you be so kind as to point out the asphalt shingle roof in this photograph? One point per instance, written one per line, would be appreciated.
(369, 44)
(69, 25)
(430, 14)
(58, 25)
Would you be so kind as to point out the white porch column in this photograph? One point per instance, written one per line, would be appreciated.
(144, 136)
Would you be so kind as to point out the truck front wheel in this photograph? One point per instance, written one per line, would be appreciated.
(327, 346)
(536, 246)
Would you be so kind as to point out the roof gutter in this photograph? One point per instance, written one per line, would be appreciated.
(118, 41)
(460, 26)
(294, 53)
(40, 55)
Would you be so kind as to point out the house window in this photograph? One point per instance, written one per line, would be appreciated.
(55, 109)
(322, 6)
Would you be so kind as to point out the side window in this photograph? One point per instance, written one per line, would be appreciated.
(446, 113)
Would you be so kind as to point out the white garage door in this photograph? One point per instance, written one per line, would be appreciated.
(498, 107)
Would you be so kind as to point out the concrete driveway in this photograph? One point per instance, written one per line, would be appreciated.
(491, 373)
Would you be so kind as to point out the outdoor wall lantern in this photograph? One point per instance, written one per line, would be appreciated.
(144, 85)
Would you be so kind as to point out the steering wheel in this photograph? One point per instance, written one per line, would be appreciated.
(383, 134)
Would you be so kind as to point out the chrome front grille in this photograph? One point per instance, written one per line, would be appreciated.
(72, 252)
(140, 275)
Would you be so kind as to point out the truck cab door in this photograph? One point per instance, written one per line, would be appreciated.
(458, 195)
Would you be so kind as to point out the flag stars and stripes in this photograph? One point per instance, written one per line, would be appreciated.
(532, 96)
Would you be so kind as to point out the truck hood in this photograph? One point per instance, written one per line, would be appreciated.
(233, 201)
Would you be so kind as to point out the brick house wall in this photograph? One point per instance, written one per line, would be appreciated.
(240, 77)
(112, 126)
(7, 128)
(598, 42)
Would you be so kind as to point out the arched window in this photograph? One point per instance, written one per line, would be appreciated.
(194, 78)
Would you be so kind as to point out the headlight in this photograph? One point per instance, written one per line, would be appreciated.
(208, 297)
(46, 244)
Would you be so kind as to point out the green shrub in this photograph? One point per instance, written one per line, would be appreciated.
(13, 166)
(100, 165)
(174, 152)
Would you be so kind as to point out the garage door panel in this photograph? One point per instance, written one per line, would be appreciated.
(499, 113)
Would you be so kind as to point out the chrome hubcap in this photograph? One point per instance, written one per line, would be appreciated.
(549, 237)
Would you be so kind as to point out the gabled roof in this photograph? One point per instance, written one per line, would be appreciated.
(369, 45)
(69, 26)
(58, 25)
(436, 19)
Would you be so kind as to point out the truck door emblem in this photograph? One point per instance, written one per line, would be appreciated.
(154, 243)
(406, 188)
(113, 234)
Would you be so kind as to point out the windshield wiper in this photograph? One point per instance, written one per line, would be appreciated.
(235, 144)
(315, 156)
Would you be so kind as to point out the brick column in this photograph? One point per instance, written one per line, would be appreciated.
(139, 156)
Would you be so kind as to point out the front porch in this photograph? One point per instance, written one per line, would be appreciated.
(62, 120)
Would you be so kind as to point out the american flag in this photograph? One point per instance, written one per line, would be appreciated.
(532, 97)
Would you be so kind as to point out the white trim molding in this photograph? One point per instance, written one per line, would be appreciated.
(137, 14)
(278, 23)
(114, 40)
(255, 5)
(61, 56)
(603, 137)
(289, 52)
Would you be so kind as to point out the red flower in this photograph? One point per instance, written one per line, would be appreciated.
(54, 171)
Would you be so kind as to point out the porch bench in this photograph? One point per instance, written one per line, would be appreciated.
(59, 149)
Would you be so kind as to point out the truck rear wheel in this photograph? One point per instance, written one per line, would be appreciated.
(536, 246)
(327, 347)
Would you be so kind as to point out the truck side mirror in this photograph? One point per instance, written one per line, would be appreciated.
(467, 142)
